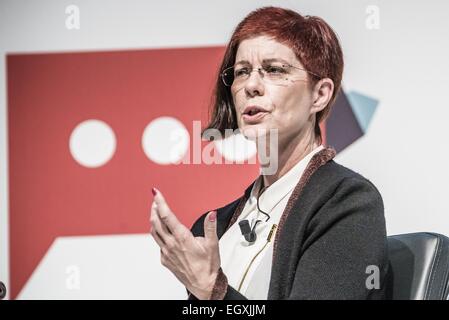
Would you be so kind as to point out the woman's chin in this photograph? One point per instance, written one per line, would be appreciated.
(253, 132)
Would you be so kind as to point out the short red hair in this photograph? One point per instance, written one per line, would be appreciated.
(312, 40)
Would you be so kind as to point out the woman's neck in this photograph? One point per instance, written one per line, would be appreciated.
(290, 153)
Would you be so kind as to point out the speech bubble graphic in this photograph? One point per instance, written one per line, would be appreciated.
(52, 195)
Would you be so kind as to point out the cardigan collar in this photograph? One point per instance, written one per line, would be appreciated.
(319, 159)
(281, 187)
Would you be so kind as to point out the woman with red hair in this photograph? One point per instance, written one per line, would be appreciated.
(310, 229)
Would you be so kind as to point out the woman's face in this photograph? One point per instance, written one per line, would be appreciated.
(286, 103)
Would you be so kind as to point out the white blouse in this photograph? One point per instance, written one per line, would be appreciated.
(248, 266)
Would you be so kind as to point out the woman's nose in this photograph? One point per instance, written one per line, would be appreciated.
(254, 84)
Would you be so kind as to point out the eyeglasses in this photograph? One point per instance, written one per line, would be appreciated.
(274, 73)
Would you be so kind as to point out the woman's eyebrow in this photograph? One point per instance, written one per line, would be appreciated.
(275, 60)
(243, 62)
(264, 61)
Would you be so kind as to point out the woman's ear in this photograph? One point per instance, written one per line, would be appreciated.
(322, 94)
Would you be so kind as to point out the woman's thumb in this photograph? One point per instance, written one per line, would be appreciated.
(210, 226)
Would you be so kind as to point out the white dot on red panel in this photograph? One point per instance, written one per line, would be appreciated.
(236, 148)
(165, 140)
(92, 143)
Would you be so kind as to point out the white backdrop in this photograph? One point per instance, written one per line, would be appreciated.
(404, 63)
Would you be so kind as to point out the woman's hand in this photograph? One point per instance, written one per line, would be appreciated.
(195, 261)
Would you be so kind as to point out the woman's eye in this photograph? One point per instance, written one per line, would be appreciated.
(241, 72)
(275, 70)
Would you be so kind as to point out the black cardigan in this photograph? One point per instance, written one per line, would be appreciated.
(330, 234)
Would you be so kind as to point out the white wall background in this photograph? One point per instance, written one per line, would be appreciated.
(404, 64)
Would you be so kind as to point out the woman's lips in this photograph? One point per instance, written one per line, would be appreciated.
(255, 118)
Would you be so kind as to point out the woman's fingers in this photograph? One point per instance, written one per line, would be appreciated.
(157, 238)
(165, 213)
(158, 228)
(168, 218)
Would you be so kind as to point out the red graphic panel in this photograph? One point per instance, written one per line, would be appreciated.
(52, 195)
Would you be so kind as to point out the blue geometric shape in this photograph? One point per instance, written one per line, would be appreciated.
(342, 127)
(363, 108)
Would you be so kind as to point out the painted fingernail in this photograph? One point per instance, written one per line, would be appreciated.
(154, 191)
(212, 216)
